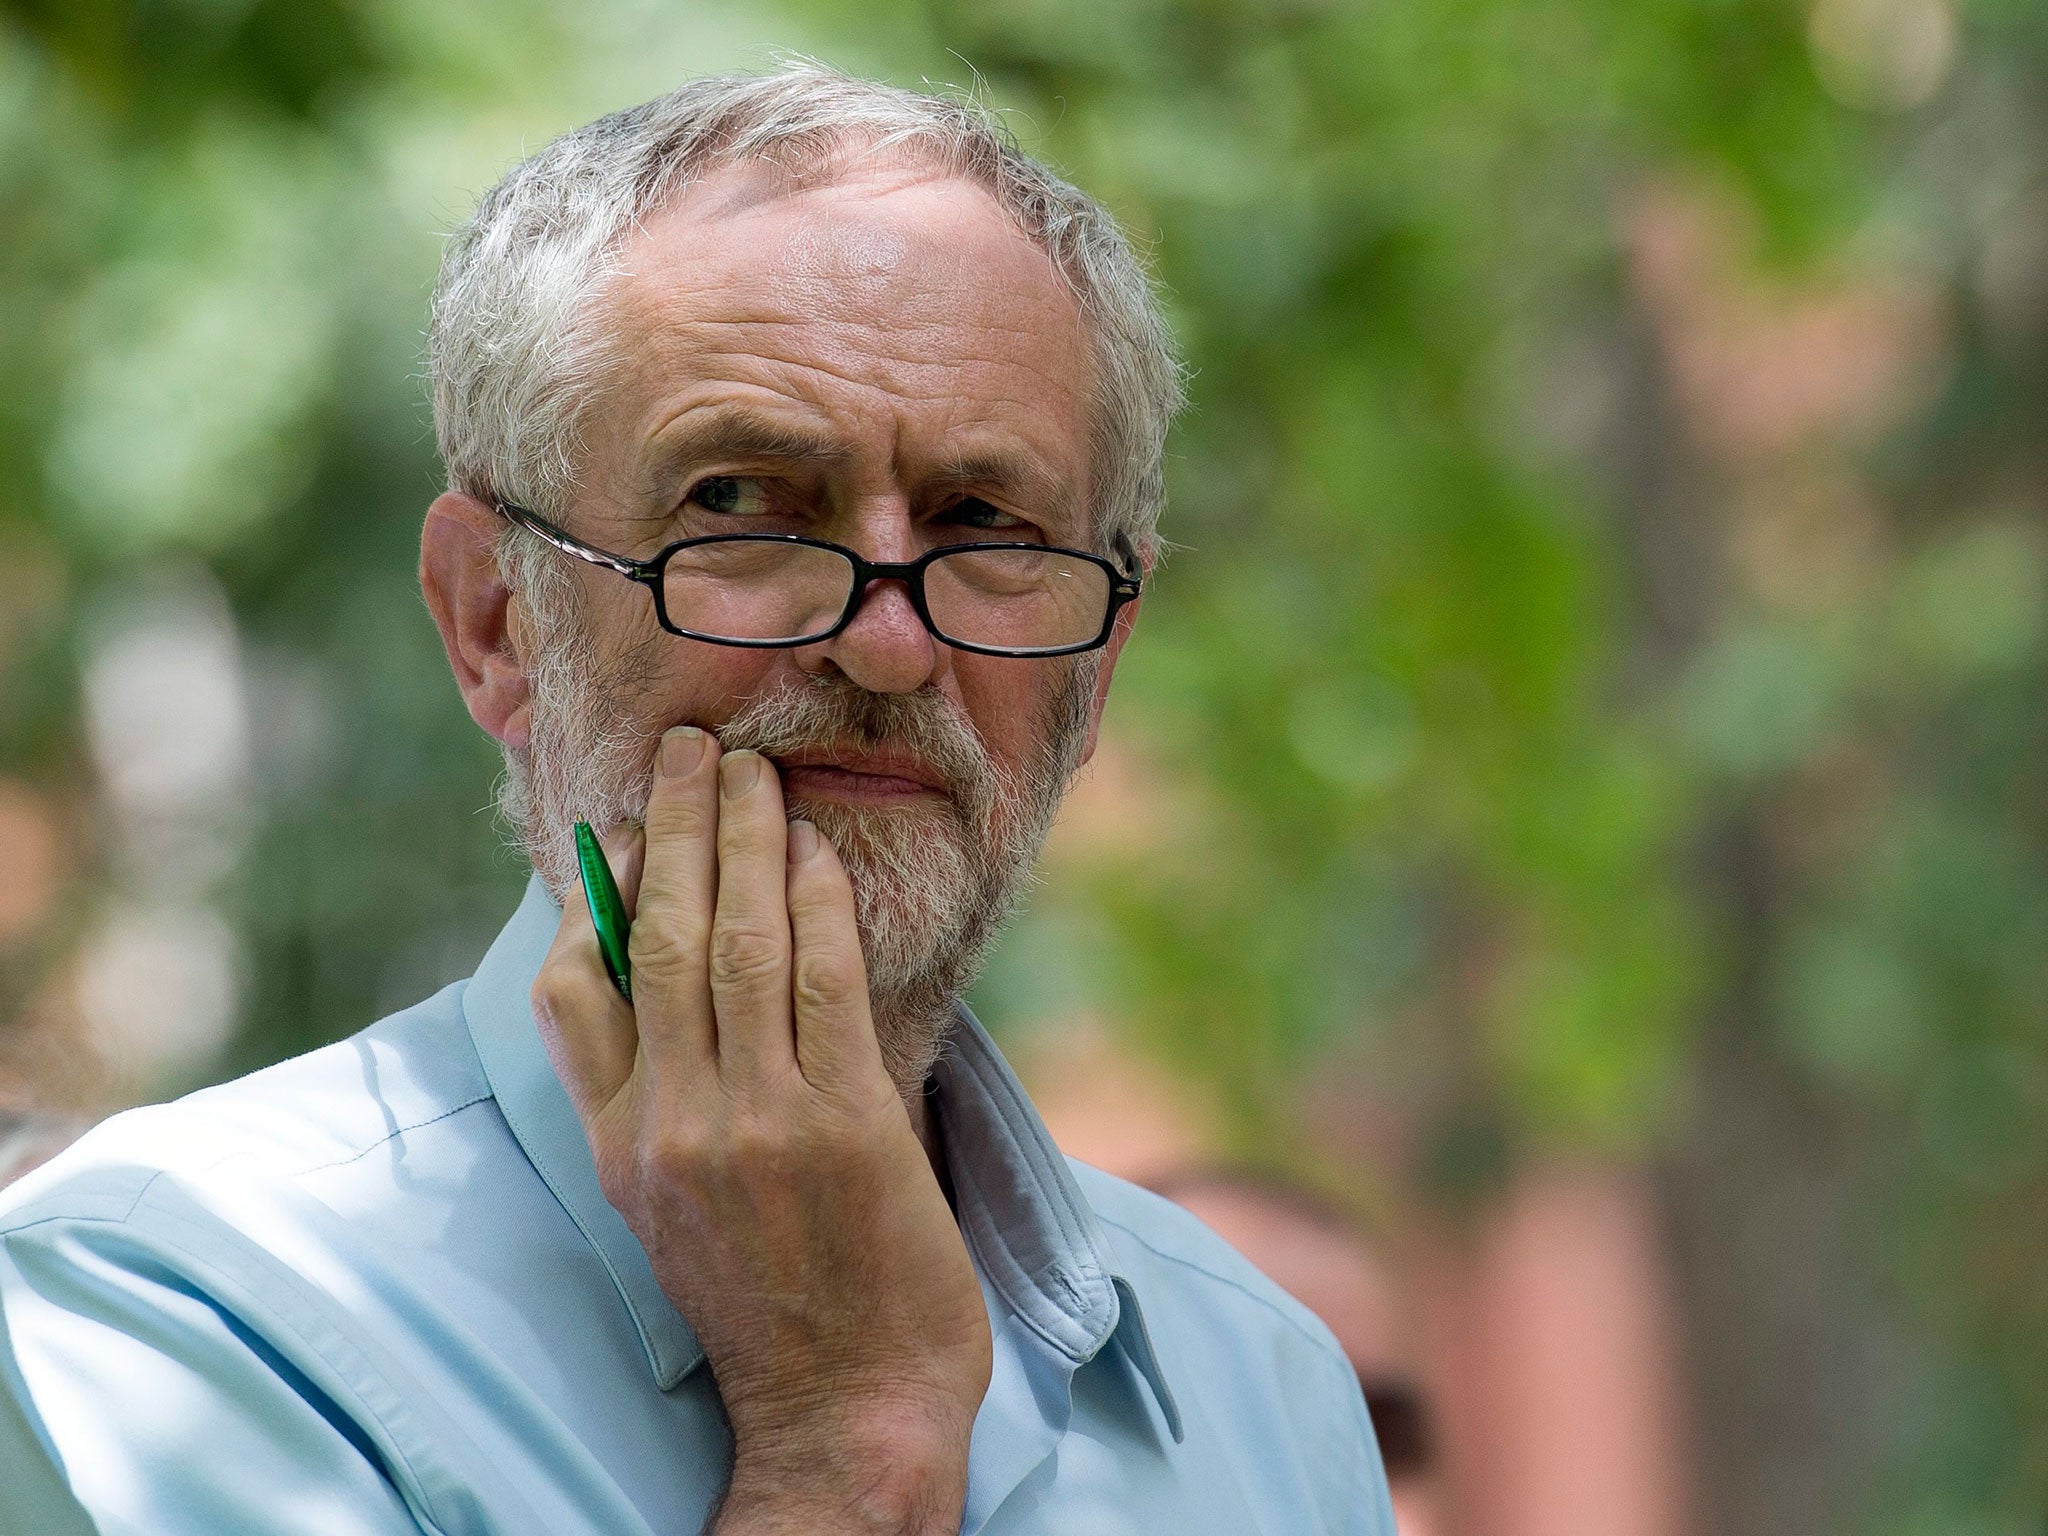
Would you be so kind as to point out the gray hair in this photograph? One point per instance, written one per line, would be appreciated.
(518, 341)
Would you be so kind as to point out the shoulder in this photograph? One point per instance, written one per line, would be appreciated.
(1256, 1373)
(317, 1111)
(1253, 1369)
(1189, 1265)
(1209, 1306)
(188, 1323)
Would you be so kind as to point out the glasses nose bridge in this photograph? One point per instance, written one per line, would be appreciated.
(910, 573)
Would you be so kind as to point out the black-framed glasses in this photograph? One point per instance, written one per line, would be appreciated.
(769, 590)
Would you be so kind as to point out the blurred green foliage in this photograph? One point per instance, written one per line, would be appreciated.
(1606, 639)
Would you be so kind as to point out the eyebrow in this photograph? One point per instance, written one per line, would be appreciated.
(734, 432)
(1019, 475)
(738, 433)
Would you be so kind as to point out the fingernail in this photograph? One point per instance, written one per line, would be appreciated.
(618, 840)
(738, 771)
(682, 749)
(803, 841)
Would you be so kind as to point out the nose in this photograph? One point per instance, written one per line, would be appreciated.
(886, 649)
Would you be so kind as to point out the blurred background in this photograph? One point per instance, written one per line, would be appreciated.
(1573, 812)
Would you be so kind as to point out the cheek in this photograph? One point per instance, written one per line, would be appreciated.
(691, 683)
(1010, 703)
(650, 679)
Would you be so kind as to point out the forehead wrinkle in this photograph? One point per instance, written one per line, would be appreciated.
(870, 341)
(998, 456)
(868, 427)
(795, 330)
(863, 389)
(824, 263)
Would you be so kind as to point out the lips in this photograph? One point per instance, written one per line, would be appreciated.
(886, 768)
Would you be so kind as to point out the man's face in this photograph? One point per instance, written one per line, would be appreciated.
(885, 363)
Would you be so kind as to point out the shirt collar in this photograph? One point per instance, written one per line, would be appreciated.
(1024, 1217)
(1026, 1220)
(498, 1004)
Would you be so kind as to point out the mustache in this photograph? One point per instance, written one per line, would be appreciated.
(828, 712)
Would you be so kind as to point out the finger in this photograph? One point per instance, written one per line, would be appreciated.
(587, 1028)
(678, 892)
(625, 849)
(835, 1029)
(750, 935)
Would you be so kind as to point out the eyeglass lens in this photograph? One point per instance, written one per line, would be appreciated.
(1012, 599)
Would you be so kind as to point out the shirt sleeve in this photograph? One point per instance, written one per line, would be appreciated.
(133, 1402)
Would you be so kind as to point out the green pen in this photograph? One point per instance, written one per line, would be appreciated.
(607, 910)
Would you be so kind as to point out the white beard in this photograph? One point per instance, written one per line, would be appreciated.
(932, 883)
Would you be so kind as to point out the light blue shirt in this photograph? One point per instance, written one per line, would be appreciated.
(376, 1289)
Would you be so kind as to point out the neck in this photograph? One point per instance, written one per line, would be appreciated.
(912, 1028)
(925, 1122)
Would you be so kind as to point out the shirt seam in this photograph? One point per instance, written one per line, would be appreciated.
(1322, 1346)
(388, 1137)
(150, 1183)
(294, 1281)
(143, 1193)
(198, 1261)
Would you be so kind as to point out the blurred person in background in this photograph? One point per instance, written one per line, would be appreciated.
(1307, 1246)
(804, 449)
(1521, 1356)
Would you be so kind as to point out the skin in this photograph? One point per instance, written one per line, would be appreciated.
(738, 1112)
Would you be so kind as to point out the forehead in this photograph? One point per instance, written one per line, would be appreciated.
(896, 307)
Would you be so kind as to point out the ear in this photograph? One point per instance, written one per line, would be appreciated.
(472, 608)
(1118, 634)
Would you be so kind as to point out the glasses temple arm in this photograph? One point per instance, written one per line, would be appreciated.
(569, 544)
(1127, 554)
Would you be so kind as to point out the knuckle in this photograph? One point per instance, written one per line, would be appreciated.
(670, 930)
(677, 1153)
(666, 963)
(824, 979)
(619, 1177)
(743, 956)
(554, 993)
(750, 1141)
(673, 905)
(758, 1150)
(681, 815)
(707, 1163)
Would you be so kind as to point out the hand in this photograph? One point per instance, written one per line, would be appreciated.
(742, 1122)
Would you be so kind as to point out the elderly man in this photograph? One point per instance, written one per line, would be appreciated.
(804, 444)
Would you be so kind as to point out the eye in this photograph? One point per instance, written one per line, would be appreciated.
(730, 496)
(973, 512)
